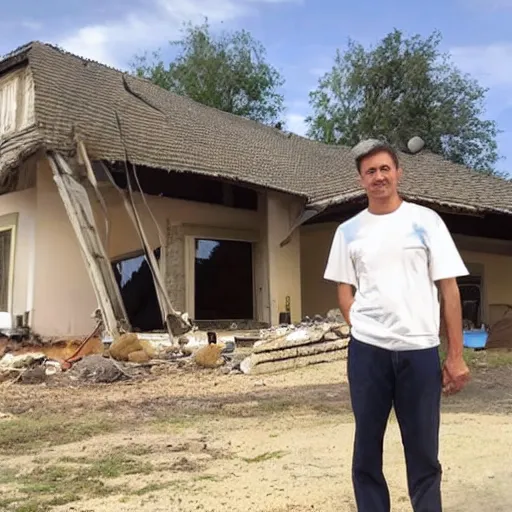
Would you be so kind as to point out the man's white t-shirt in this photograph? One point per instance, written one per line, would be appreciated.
(393, 261)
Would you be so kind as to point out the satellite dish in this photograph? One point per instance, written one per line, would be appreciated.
(415, 145)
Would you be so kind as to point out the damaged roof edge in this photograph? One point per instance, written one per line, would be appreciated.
(18, 148)
(14, 58)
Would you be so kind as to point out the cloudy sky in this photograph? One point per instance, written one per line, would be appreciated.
(300, 35)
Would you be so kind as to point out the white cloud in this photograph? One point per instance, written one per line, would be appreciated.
(115, 41)
(296, 123)
(491, 65)
(31, 25)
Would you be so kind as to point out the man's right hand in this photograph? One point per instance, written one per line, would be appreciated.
(455, 375)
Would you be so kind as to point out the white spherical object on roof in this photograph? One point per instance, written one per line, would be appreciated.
(415, 145)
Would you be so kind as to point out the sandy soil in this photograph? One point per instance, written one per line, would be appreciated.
(276, 443)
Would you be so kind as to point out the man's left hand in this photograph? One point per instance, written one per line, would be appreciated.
(455, 375)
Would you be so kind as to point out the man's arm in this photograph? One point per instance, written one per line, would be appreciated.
(455, 371)
(452, 315)
(345, 300)
(340, 269)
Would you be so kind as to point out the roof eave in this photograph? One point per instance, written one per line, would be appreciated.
(460, 207)
(15, 58)
(453, 205)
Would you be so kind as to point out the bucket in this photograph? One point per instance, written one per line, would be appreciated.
(475, 338)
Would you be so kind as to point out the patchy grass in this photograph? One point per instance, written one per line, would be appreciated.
(28, 434)
(494, 358)
(176, 423)
(32, 506)
(152, 488)
(62, 483)
(490, 358)
(117, 465)
(208, 478)
(265, 456)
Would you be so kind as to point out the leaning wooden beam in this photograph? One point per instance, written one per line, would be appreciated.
(161, 236)
(82, 152)
(177, 323)
(78, 208)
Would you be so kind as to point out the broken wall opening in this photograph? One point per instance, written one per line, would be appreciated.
(138, 292)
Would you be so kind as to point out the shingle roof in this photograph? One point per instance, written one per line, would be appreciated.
(75, 96)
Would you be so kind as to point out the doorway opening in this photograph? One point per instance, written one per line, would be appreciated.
(223, 280)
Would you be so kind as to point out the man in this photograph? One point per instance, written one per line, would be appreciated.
(398, 257)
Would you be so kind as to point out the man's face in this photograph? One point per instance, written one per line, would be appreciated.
(379, 175)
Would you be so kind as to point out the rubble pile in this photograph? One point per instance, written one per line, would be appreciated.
(25, 367)
(290, 347)
(131, 355)
(93, 360)
(97, 369)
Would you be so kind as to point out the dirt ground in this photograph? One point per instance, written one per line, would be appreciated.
(199, 440)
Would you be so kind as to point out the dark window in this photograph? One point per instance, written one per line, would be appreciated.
(223, 280)
(138, 292)
(471, 299)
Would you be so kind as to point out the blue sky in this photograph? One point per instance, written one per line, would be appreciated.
(301, 36)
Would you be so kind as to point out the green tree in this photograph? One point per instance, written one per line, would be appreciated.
(401, 88)
(227, 71)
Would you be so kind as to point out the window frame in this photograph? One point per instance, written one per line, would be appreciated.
(9, 222)
(219, 234)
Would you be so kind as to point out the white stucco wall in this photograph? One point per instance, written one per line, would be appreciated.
(21, 207)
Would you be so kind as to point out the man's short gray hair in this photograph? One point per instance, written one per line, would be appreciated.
(369, 147)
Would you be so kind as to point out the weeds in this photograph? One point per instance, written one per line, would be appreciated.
(28, 434)
(265, 456)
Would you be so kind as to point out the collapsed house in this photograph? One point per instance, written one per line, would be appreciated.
(125, 202)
